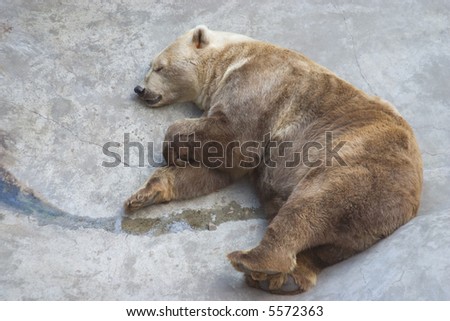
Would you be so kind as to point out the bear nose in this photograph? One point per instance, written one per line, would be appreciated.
(139, 90)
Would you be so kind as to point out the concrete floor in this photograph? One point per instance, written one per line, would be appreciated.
(67, 72)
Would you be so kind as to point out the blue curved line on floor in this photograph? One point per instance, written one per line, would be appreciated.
(25, 202)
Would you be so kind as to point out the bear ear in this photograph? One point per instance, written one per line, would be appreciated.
(200, 39)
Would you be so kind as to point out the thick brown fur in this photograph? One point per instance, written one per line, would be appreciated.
(320, 215)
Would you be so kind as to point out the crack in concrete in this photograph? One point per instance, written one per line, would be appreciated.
(432, 127)
(435, 154)
(363, 276)
(62, 126)
(355, 55)
(71, 132)
(399, 279)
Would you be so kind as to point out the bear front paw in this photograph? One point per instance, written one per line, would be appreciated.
(139, 200)
(156, 190)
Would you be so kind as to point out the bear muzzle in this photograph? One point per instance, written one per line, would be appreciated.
(150, 97)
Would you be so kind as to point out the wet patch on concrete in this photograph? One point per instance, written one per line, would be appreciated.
(203, 219)
(18, 197)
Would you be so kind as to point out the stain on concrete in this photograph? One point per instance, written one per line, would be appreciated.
(6, 145)
(5, 29)
(190, 219)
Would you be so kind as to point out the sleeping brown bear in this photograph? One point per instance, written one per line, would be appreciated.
(322, 208)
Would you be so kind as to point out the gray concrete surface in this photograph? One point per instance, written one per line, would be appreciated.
(67, 72)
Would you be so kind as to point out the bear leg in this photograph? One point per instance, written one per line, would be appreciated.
(177, 183)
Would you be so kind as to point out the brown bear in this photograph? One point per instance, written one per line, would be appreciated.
(322, 209)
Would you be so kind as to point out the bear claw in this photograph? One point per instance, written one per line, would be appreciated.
(282, 284)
